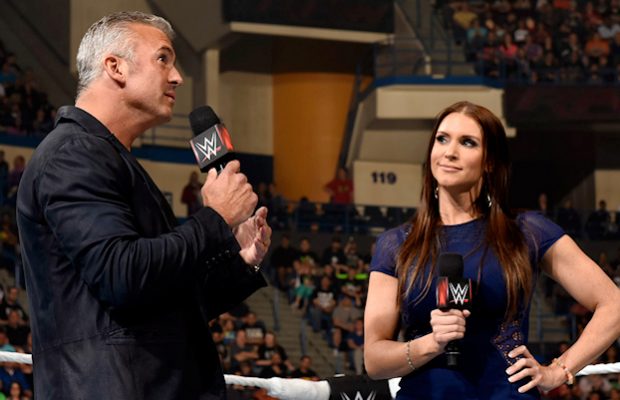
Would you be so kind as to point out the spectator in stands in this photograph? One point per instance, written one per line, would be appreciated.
(282, 260)
(8, 75)
(608, 29)
(594, 383)
(323, 302)
(306, 214)
(523, 70)
(547, 70)
(569, 47)
(11, 373)
(8, 242)
(191, 196)
(351, 253)
(11, 303)
(521, 33)
(615, 263)
(614, 50)
(355, 343)
(4, 177)
(343, 322)
(264, 197)
(598, 222)
(596, 47)
(591, 18)
(42, 123)
(464, 209)
(489, 61)
(543, 205)
(461, 21)
(476, 37)
(242, 392)
(217, 334)
(229, 331)
(16, 331)
(303, 292)
(340, 189)
(562, 392)
(254, 329)
(27, 371)
(277, 368)
(17, 393)
(268, 348)
(569, 219)
(352, 287)
(15, 176)
(306, 253)
(305, 370)
(333, 254)
(533, 50)
(241, 350)
(278, 208)
(305, 264)
(4, 341)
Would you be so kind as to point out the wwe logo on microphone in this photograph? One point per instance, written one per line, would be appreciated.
(459, 293)
(209, 148)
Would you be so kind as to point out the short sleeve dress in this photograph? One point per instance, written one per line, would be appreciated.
(480, 374)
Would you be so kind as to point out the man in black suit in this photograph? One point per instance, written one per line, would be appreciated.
(102, 248)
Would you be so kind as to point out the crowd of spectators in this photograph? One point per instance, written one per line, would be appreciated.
(15, 379)
(538, 40)
(24, 107)
(247, 348)
(329, 290)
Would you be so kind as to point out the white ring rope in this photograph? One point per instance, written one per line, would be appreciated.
(301, 389)
(20, 358)
(297, 389)
(600, 369)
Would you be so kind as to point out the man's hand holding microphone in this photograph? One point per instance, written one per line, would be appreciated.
(226, 190)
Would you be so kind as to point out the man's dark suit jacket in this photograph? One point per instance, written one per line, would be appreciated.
(120, 296)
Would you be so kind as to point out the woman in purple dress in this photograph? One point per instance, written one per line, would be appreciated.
(464, 209)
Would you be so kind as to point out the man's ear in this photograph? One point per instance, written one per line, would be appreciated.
(116, 69)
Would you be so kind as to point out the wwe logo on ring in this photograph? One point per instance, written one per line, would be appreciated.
(359, 396)
(208, 148)
(459, 293)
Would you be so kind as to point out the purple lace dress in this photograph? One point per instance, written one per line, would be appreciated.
(484, 350)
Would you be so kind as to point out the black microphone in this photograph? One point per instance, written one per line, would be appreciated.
(453, 292)
(211, 143)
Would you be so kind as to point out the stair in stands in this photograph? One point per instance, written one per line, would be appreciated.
(291, 327)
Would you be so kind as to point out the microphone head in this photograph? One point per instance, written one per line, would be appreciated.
(450, 265)
(202, 118)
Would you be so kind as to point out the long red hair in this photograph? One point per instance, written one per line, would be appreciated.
(503, 236)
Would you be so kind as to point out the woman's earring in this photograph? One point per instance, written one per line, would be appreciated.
(437, 192)
(489, 200)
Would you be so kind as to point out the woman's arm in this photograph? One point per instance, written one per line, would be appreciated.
(588, 284)
(383, 356)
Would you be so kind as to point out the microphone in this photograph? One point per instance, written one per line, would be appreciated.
(211, 143)
(453, 292)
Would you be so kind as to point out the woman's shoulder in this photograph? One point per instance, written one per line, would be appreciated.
(394, 236)
(534, 219)
(539, 231)
(388, 245)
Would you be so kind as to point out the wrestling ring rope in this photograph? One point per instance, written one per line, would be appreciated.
(301, 389)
